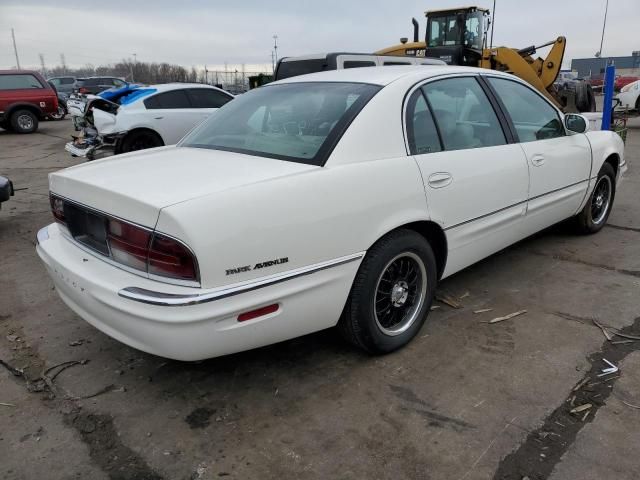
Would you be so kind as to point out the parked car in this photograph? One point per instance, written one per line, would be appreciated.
(62, 104)
(293, 66)
(96, 85)
(6, 190)
(629, 96)
(624, 80)
(566, 80)
(63, 84)
(136, 117)
(25, 98)
(340, 197)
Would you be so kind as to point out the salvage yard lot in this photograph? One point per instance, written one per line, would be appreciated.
(465, 400)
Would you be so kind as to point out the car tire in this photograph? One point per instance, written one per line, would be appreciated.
(140, 141)
(60, 113)
(638, 104)
(391, 294)
(596, 211)
(24, 121)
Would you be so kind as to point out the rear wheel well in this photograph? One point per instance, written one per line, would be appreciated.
(434, 234)
(614, 161)
(134, 132)
(14, 108)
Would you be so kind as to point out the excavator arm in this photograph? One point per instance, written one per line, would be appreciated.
(539, 72)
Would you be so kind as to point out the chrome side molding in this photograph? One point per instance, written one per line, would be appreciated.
(182, 300)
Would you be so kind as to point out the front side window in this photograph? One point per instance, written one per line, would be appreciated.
(18, 82)
(207, 98)
(298, 122)
(117, 82)
(172, 99)
(464, 114)
(421, 131)
(532, 116)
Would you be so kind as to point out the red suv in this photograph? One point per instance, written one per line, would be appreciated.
(25, 98)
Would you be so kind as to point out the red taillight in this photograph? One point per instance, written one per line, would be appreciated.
(129, 244)
(259, 312)
(57, 208)
(170, 258)
(83, 90)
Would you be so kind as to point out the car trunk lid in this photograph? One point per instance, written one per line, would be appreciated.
(138, 185)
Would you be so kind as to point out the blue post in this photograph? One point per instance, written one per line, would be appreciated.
(609, 80)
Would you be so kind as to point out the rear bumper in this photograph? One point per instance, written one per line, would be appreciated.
(190, 330)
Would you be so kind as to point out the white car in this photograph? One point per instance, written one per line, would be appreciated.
(629, 96)
(137, 117)
(334, 198)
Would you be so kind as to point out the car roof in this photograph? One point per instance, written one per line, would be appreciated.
(383, 75)
(164, 87)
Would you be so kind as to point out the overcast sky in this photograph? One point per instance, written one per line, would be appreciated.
(212, 32)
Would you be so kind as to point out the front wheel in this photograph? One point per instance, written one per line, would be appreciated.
(391, 294)
(595, 213)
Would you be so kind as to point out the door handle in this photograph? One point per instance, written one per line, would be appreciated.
(537, 160)
(440, 179)
(158, 118)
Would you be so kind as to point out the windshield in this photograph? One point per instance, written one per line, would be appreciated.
(300, 122)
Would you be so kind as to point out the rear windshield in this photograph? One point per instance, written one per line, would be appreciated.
(299, 122)
(294, 68)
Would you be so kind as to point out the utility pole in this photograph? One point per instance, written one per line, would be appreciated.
(493, 19)
(135, 63)
(63, 62)
(275, 49)
(15, 49)
(206, 75)
(273, 63)
(44, 68)
(604, 24)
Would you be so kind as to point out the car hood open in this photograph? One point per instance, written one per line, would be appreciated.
(138, 185)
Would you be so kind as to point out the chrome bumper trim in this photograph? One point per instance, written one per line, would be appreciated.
(182, 300)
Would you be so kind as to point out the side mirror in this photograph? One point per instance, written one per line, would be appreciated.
(576, 123)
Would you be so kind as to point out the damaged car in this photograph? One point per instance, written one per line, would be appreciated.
(137, 117)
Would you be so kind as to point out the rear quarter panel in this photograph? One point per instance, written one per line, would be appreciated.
(314, 216)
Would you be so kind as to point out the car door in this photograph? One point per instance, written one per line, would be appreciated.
(170, 114)
(475, 180)
(559, 164)
(205, 101)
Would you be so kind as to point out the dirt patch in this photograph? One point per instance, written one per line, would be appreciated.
(200, 418)
(542, 450)
(106, 450)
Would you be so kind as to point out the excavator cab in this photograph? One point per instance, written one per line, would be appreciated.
(457, 36)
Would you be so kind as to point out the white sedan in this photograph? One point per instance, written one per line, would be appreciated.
(337, 198)
(137, 117)
(629, 96)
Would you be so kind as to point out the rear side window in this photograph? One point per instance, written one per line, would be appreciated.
(19, 81)
(172, 99)
(358, 64)
(463, 113)
(532, 116)
(421, 130)
(66, 81)
(207, 98)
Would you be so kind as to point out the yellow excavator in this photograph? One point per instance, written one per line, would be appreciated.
(459, 36)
